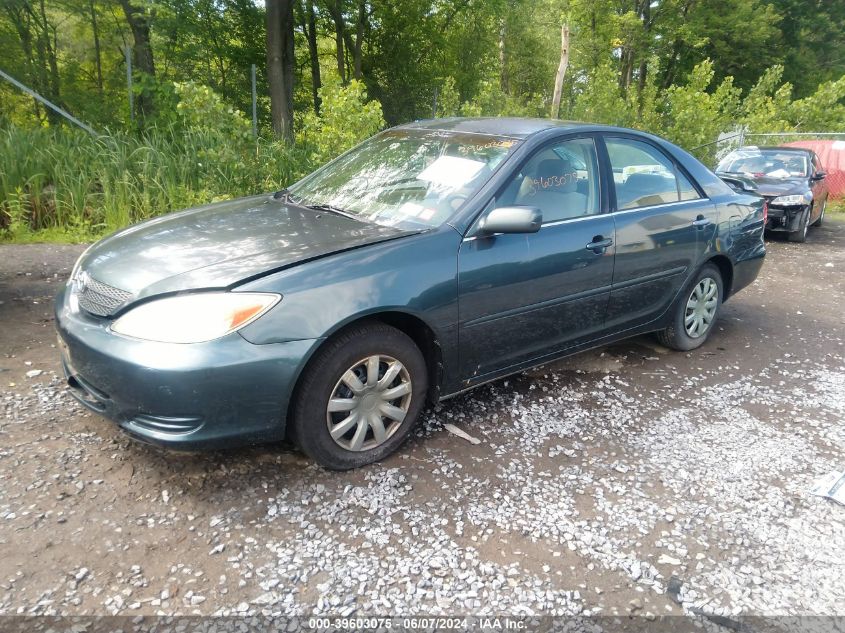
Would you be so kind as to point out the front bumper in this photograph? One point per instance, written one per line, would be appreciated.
(784, 218)
(217, 394)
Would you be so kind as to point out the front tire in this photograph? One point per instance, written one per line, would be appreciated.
(695, 311)
(800, 236)
(359, 397)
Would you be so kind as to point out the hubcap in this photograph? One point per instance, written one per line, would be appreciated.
(701, 307)
(369, 403)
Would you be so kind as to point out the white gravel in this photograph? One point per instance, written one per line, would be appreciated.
(630, 480)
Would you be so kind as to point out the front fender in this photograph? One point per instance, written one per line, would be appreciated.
(416, 275)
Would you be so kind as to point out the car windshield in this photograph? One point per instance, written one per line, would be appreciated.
(405, 178)
(771, 163)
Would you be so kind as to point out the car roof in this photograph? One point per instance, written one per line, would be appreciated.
(514, 127)
(777, 148)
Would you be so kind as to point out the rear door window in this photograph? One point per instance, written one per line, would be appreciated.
(643, 176)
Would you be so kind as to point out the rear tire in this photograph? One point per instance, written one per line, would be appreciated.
(359, 397)
(695, 312)
(800, 236)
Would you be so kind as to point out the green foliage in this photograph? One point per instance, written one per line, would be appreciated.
(491, 100)
(200, 108)
(687, 69)
(823, 110)
(694, 116)
(836, 207)
(448, 99)
(767, 106)
(813, 38)
(70, 184)
(67, 181)
(346, 118)
(600, 99)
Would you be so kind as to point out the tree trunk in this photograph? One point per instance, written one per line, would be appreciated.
(336, 11)
(313, 53)
(47, 69)
(561, 70)
(359, 40)
(18, 18)
(627, 69)
(142, 51)
(98, 59)
(669, 73)
(52, 56)
(280, 52)
(504, 79)
(645, 13)
(642, 72)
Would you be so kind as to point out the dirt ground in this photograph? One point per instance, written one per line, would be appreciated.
(626, 480)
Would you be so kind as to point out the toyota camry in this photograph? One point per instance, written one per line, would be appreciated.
(432, 258)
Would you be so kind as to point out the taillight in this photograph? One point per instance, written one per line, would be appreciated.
(765, 211)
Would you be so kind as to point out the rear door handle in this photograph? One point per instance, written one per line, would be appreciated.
(599, 244)
(701, 221)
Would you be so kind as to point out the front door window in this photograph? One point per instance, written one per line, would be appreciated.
(562, 180)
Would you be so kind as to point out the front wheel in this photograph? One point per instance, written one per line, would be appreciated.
(800, 236)
(359, 397)
(695, 312)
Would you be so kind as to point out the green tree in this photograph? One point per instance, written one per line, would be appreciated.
(695, 115)
(346, 118)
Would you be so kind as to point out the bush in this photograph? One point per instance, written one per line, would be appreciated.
(346, 118)
(696, 117)
(61, 180)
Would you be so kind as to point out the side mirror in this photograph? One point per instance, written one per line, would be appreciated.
(739, 184)
(819, 175)
(511, 220)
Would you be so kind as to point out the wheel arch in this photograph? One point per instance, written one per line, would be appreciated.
(423, 335)
(726, 269)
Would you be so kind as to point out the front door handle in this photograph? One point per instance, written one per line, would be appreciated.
(599, 244)
(701, 221)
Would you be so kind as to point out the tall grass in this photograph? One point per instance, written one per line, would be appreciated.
(64, 182)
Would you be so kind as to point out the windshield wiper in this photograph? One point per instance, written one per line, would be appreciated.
(332, 209)
(285, 195)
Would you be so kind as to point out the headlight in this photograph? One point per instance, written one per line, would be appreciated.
(801, 198)
(75, 269)
(194, 318)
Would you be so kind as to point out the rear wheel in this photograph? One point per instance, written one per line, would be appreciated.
(820, 220)
(359, 397)
(695, 312)
(800, 236)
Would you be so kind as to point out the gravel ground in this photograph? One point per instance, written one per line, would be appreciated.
(627, 480)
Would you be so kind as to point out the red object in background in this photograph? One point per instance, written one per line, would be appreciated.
(832, 157)
(765, 211)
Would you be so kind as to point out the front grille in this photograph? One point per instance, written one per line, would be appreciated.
(101, 299)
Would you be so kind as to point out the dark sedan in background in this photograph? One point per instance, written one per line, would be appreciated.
(434, 257)
(790, 178)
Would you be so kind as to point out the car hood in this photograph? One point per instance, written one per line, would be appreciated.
(220, 245)
(779, 186)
